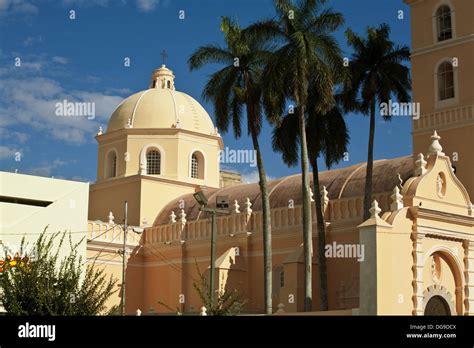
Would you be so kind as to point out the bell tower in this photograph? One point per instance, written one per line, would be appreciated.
(442, 61)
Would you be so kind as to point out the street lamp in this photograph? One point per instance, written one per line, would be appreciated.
(202, 200)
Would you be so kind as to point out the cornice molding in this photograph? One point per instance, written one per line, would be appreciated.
(442, 45)
(106, 137)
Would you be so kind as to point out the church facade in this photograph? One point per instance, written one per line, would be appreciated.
(414, 256)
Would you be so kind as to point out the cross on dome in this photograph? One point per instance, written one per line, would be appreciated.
(164, 55)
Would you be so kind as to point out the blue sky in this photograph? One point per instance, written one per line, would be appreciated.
(82, 60)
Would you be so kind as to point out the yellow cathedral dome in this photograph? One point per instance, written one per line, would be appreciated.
(161, 106)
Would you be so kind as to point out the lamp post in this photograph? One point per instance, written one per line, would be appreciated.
(124, 257)
(202, 201)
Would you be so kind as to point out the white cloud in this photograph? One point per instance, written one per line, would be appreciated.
(46, 168)
(92, 79)
(17, 6)
(31, 40)
(80, 178)
(89, 3)
(13, 135)
(253, 177)
(147, 5)
(30, 102)
(60, 60)
(7, 151)
(27, 7)
(35, 66)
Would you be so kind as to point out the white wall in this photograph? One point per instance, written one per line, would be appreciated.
(67, 212)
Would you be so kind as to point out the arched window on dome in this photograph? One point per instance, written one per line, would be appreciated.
(444, 23)
(168, 84)
(111, 164)
(153, 162)
(445, 77)
(197, 165)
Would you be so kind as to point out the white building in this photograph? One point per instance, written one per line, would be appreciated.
(30, 203)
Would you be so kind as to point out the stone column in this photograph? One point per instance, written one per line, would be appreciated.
(468, 277)
(417, 238)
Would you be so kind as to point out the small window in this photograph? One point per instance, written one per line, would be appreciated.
(168, 84)
(111, 165)
(445, 81)
(114, 165)
(153, 162)
(194, 167)
(444, 23)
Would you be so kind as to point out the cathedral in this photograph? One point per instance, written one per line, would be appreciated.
(413, 256)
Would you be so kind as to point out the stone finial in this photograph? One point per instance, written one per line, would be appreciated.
(397, 200)
(138, 312)
(100, 131)
(178, 123)
(236, 207)
(216, 132)
(203, 311)
(111, 218)
(145, 221)
(471, 209)
(182, 217)
(281, 308)
(400, 180)
(172, 217)
(311, 194)
(420, 165)
(435, 147)
(324, 197)
(129, 123)
(248, 208)
(375, 210)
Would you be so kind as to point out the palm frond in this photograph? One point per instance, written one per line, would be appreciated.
(209, 54)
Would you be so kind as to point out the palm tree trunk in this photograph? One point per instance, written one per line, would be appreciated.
(323, 276)
(266, 214)
(266, 223)
(307, 223)
(370, 163)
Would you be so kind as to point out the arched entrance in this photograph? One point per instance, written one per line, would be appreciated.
(438, 306)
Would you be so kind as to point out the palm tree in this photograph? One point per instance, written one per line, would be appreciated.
(328, 137)
(229, 89)
(306, 49)
(376, 73)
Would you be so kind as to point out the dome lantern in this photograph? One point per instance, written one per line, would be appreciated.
(162, 78)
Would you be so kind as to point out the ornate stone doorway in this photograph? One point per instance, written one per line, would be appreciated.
(438, 306)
